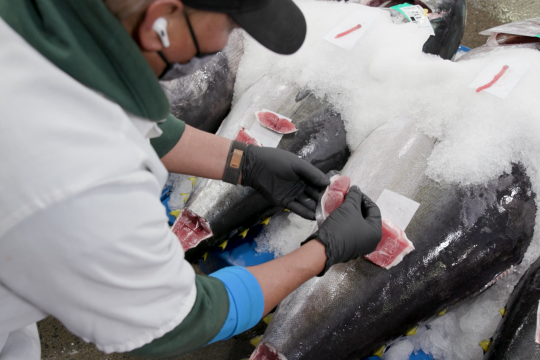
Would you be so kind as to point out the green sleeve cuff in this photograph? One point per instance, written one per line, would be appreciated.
(172, 132)
(201, 325)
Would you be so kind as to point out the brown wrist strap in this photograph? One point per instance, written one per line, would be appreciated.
(235, 160)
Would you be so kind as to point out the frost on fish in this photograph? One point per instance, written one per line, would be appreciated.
(245, 136)
(275, 123)
(335, 194)
(392, 248)
(266, 351)
(191, 229)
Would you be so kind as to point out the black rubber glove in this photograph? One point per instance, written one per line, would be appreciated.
(283, 179)
(352, 230)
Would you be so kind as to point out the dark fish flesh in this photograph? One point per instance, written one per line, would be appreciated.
(464, 237)
(517, 35)
(204, 98)
(446, 16)
(215, 208)
(517, 336)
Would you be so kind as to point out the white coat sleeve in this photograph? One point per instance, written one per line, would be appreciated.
(104, 263)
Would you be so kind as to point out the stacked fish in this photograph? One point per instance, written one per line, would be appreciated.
(464, 237)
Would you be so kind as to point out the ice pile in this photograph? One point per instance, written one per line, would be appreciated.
(284, 234)
(385, 76)
(182, 186)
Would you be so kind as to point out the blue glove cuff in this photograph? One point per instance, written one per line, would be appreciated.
(246, 301)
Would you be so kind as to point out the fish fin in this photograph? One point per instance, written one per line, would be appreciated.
(412, 331)
(442, 312)
(268, 318)
(193, 180)
(223, 245)
(485, 344)
(503, 311)
(186, 196)
(256, 340)
(265, 221)
(287, 210)
(243, 233)
(379, 351)
(175, 213)
(205, 256)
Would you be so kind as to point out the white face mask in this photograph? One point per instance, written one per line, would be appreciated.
(177, 70)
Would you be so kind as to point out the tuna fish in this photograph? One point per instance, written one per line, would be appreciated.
(446, 16)
(517, 35)
(464, 237)
(215, 208)
(204, 98)
(518, 337)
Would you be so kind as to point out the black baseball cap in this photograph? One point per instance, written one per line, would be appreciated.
(279, 25)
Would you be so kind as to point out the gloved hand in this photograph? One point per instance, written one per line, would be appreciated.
(283, 179)
(352, 230)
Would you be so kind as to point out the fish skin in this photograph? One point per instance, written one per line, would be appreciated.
(515, 336)
(464, 237)
(320, 140)
(203, 99)
(448, 21)
(512, 36)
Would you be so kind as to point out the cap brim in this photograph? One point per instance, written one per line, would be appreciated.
(280, 26)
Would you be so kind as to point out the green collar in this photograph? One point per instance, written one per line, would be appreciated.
(86, 41)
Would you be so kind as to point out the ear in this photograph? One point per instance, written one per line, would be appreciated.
(168, 9)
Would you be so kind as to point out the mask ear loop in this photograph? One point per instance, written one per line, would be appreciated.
(193, 36)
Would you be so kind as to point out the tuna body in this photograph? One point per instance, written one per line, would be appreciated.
(518, 335)
(204, 98)
(320, 140)
(463, 238)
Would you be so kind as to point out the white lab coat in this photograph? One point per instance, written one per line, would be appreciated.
(83, 235)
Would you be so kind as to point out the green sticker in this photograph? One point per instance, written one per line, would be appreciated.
(538, 36)
(399, 7)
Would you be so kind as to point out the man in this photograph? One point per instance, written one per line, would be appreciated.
(83, 236)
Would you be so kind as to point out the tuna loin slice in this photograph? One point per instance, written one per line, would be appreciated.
(246, 137)
(273, 122)
(335, 194)
(266, 351)
(191, 229)
(393, 246)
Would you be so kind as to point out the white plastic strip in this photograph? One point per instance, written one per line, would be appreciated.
(537, 337)
(350, 30)
(397, 208)
(266, 137)
(502, 83)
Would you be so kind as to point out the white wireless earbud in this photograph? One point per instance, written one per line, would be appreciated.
(160, 27)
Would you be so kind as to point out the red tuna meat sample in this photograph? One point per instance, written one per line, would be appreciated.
(266, 351)
(335, 194)
(393, 246)
(246, 137)
(191, 229)
(273, 122)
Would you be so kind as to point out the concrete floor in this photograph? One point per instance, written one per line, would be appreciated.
(59, 344)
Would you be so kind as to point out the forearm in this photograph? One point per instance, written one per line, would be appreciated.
(280, 277)
(198, 153)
